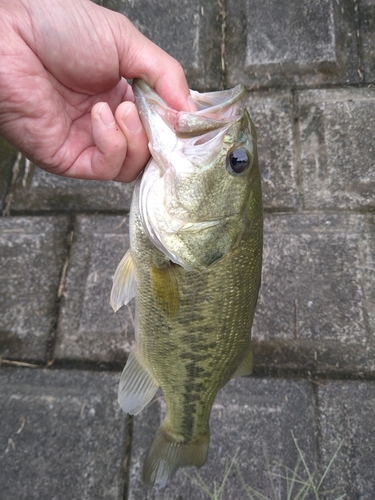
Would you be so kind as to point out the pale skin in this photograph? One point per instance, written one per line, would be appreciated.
(64, 99)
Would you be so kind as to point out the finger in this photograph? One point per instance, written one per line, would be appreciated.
(141, 58)
(137, 153)
(171, 86)
(111, 144)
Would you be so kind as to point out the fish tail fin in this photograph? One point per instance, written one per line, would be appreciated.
(166, 455)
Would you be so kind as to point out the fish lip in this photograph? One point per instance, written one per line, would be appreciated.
(142, 90)
(149, 104)
(227, 97)
(227, 107)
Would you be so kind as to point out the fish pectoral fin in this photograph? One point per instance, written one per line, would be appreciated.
(137, 387)
(123, 288)
(165, 289)
(246, 365)
(166, 455)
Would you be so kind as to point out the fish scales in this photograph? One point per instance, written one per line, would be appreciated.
(195, 353)
(193, 317)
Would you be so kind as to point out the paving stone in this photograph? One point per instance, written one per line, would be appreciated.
(316, 307)
(252, 420)
(272, 112)
(369, 270)
(367, 38)
(346, 414)
(8, 156)
(279, 43)
(88, 328)
(62, 435)
(32, 255)
(189, 30)
(337, 148)
(38, 190)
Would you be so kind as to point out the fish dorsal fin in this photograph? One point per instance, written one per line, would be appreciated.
(246, 365)
(123, 288)
(165, 288)
(137, 387)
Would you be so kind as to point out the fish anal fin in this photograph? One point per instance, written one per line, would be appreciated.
(246, 365)
(123, 288)
(167, 454)
(165, 289)
(137, 387)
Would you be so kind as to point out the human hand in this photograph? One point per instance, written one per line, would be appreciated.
(64, 100)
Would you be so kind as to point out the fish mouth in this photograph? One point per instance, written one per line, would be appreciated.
(215, 110)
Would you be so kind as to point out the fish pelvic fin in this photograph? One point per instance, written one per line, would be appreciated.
(137, 387)
(123, 288)
(246, 365)
(167, 453)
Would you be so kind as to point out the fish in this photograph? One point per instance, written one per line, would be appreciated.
(194, 267)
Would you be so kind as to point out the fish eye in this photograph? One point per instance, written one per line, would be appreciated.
(238, 160)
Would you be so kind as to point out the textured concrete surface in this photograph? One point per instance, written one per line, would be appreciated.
(309, 67)
(272, 113)
(32, 255)
(347, 418)
(337, 148)
(36, 190)
(367, 39)
(8, 156)
(318, 276)
(62, 435)
(99, 243)
(300, 42)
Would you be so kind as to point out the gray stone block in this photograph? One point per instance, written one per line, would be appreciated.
(367, 38)
(251, 420)
(188, 30)
(272, 113)
(88, 328)
(32, 255)
(278, 43)
(8, 156)
(316, 309)
(39, 190)
(346, 415)
(337, 148)
(369, 270)
(62, 436)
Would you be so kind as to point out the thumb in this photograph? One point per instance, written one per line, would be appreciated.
(139, 57)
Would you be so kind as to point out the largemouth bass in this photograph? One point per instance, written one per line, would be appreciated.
(194, 267)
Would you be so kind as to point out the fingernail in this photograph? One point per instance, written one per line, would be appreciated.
(106, 115)
(131, 119)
